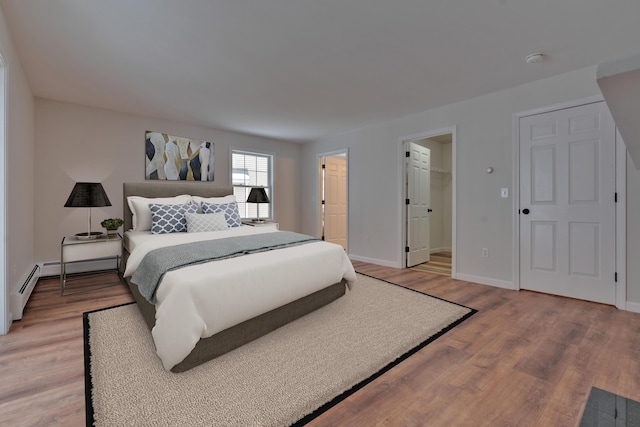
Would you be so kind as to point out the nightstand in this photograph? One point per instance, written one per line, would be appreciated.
(74, 250)
(269, 224)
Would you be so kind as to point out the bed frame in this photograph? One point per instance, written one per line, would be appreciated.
(232, 338)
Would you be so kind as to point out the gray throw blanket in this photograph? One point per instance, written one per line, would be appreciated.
(158, 261)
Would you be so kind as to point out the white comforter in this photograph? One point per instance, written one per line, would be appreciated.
(199, 301)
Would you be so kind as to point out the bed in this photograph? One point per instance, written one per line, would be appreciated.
(245, 297)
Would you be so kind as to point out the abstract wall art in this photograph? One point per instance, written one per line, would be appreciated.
(176, 158)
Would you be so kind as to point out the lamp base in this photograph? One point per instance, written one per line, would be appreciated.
(89, 236)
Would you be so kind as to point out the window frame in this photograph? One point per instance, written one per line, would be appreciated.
(270, 179)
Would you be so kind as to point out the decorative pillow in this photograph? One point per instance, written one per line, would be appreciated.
(140, 208)
(230, 212)
(198, 223)
(170, 218)
(213, 200)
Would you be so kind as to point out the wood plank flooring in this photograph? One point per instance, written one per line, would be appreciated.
(439, 263)
(41, 358)
(525, 359)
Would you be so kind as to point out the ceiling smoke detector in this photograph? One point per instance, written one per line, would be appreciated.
(534, 57)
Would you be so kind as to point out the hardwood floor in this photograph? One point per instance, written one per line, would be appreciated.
(41, 358)
(440, 263)
(525, 359)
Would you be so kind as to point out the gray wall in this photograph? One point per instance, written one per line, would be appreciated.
(484, 138)
(78, 143)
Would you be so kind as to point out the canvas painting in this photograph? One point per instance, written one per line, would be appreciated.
(176, 158)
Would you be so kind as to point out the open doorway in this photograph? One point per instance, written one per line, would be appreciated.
(333, 197)
(429, 205)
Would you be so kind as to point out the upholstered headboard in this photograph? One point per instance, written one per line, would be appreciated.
(167, 189)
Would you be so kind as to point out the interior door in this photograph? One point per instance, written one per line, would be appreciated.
(418, 195)
(567, 203)
(335, 200)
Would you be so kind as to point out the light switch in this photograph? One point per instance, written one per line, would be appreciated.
(504, 193)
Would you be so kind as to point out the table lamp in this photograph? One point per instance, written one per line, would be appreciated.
(88, 195)
(258, 195)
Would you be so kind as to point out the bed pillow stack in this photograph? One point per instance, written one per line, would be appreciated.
(230, 211)
(142, 220)
(184, 213)
(226, 205)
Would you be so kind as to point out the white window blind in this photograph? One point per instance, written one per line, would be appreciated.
(250, 170)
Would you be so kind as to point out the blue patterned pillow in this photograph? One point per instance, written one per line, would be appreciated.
(230, 212)
(170, 218)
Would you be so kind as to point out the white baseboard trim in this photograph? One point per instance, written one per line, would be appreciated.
(53, 268)
(436, 250)
(632, 306)
(382, 262)
(505, 284)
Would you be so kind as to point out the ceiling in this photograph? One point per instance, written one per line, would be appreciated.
(300, 70)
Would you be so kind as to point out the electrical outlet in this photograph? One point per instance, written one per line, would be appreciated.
(485, 252)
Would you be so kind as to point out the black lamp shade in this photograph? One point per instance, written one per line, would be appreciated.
(87, 195)
(258, 195)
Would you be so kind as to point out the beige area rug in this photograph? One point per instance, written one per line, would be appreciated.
(286, 377)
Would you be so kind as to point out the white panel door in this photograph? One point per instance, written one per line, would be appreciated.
(418, 193)
(335, 200)
(567, 205)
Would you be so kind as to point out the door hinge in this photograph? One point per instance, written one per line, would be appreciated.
(322, 237)
(615, 277)
(615, 197)
(406, 249)
(407, 154)
(322, 202)
(323, 166)
(407, 201)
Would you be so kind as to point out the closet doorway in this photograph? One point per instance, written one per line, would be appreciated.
(440, 209)
(333, 197)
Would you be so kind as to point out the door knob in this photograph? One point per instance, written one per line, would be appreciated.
(525, 211)
(429, 210)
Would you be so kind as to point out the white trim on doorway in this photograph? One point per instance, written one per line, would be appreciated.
(621, 252)
(5, 314)
(401, 193)
(319, 156)
(621, 223)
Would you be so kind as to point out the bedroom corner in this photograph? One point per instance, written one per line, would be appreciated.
(17, 125)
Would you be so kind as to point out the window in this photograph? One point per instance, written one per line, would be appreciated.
(252, 170)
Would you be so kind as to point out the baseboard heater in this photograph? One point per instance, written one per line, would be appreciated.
(20, 295)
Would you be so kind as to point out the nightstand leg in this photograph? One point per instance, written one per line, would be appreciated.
(63, 277)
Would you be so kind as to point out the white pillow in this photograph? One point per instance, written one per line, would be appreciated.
(198, 223)
(140, 208)
(213, 200)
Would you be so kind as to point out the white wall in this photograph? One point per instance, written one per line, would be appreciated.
(78, 143)
(484, 138)
(18, 173)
